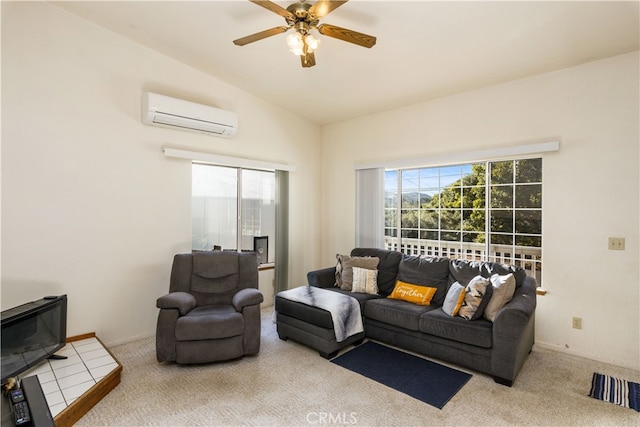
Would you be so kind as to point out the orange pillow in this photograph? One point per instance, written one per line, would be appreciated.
(412, 293)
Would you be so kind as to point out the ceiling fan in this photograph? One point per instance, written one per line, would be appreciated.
(303, 17)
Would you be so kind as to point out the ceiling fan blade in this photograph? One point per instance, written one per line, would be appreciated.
(269, 5)
(259, 36)
(308, 60)
(322, 8)
(346, 35)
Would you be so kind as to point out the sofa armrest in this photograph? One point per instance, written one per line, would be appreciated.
(246, 297)
(324, 278)
(181, 301)
(513, 331)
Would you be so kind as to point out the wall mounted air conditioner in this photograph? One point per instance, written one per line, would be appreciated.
(160, 110)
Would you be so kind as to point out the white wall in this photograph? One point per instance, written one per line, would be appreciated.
(591, 187)
(90, 205)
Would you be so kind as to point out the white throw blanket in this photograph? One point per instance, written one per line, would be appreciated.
(344, 310)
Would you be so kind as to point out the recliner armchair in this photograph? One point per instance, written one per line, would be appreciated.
(212, 310)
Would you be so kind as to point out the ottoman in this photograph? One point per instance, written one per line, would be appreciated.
(311, 326)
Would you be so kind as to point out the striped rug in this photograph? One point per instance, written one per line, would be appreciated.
(621, 392)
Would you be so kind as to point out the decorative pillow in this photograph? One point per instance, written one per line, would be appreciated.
(503, 289)
(432, 272)
(476, 298)
(412, 293)
(454, 299)
(365, 281)
(344, 269)
(338, 282)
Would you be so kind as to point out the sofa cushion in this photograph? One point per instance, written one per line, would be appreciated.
(503, 289)
(209, 322)
(361, 297)
(410, 292)
(365, 281)
(307, 313)
(387, 267)
(395, 312)
(426, 271)
(314, 315)
(221, 276)
(476, 297)
(491, 268)
(344, 268)
(463, 271)
(454, 299)
(440, 324)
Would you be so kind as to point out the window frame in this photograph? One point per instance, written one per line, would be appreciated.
(240, 219)
(530, 259)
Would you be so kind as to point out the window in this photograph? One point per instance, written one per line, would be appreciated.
(218, 194)
(477, 211)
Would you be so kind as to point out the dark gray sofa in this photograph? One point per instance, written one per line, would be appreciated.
(498, 349)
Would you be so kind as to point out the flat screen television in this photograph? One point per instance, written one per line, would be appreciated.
(32, 332)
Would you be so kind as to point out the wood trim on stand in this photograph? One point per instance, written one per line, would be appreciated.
(88, 400)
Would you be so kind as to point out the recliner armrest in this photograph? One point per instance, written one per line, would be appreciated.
(246, 297)
(182, 301)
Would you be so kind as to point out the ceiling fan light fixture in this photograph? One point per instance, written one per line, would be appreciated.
(299, 44)
(302, 17)
(295, 43)
(311, 42)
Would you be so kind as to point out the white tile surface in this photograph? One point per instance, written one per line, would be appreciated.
(75, 379)
(45, 377)
(99, 361)
(49, 387)
(71, 360)
(93, 354)
(102, 371)
(85, 341)
(64, 380)
(67, 371)
(75, 391)
(56, 409)
(88, 347)
(54, 398)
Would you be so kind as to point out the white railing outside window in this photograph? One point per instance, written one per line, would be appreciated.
(530, 259)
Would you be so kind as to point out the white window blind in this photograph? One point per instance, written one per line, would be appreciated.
(370, 208)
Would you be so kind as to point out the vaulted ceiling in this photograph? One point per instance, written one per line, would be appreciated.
(424, 50)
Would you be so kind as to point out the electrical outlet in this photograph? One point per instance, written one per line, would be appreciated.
(577, 323)
(616, 243)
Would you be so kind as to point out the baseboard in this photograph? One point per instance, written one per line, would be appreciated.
(561, 349)
(128, 339)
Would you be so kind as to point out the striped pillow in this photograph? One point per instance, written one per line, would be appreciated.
(365, 281)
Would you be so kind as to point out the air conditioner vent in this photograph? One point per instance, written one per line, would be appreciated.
(160, 110)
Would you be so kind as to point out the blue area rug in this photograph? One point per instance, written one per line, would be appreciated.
(610, 389)
(420, 378)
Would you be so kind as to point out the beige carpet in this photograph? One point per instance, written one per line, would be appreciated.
(290, 385)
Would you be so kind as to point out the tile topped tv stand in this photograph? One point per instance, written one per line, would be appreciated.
(72, 386)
